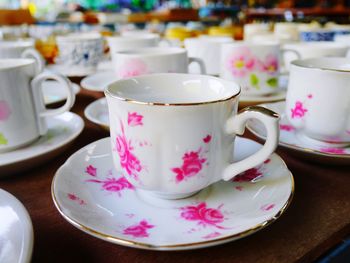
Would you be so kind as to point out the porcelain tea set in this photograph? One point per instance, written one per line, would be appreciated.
(173, 157)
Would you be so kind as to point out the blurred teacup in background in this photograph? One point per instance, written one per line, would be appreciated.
(286, 31)
(153, 60)
(208, 49)
(79, 53)
(318, 100)
(251, 30)
(22, 109)
(317, 34)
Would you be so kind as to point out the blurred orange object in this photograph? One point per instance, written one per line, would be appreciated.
(15, 17)
(47, 48)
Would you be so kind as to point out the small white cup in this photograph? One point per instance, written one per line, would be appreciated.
(208, 49)
(318, 99)
(286, 31)
(304, 50)
(153, 60)
(251, 30)
(21, 49)
(173, 134)
(256, 67)
(22, 108)
(80, 52)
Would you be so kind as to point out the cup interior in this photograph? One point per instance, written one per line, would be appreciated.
(173, 89)
(325, 63)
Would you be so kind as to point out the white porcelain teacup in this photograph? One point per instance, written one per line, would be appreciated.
(318, 99)
(208, 49)
(173, 134)
(153, 60)
(255, 66)
(80, 53)
(312, 50)
(22, 108)
(251, 30)
(21, 49)
(286, 31)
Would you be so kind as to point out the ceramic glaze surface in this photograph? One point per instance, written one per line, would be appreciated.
(16, 230)
(320, 107)
(97, 112)
(97, 199)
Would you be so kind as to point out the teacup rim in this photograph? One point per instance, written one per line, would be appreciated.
(78, 38)
(302, 63)
(325, 44)
(16, 63)
(109, 93)
(251, 44)
(154, 52)
(126, 38)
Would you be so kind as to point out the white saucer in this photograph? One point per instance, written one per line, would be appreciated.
(98, 81)
(53, 93)
(16, 230)
(245, 100)
(290, 140)
(105, 65)
(63, 129)
(68, 72)
(96, 199)
(97, 112)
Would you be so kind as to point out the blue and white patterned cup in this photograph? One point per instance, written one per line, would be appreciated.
(80, 52)
(317, 35)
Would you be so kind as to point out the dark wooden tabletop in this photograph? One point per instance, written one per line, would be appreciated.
(318, 218)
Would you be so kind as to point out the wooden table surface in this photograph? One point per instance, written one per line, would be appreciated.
(318, 218)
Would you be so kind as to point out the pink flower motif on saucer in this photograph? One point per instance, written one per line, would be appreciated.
(267, 207)
(5, 111)
(203, 215)
(270, 65)
(286, 127)
(212, 235)
(113, 184)
(128, 161)
(333, 150)
(207, 139)
(298, 111)
(139, 230)
(250, 175)
(134, 119)
(132, 68)
(91, 170)
(241, 62)
(75, 198)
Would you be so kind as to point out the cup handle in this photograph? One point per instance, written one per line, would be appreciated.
(38, 97)
(32, 53)
(297, 54)
(200, 63)
(237, 125)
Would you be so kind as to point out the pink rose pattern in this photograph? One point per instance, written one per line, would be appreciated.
(286, 127)
(212, 235)
(139, 230)
(91, 170)
(75, 198)
(134, 119)
(333, 150)
(267, 207)
(270, 65)
(203, 215)
(128, 160)
(5, 111)
(192, 163)
(299, 110)
(132, 68)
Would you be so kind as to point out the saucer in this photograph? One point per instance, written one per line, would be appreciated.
(68, 72)
(97, 112)
(105, 65)
(91, 195)
(98, 81)
(62, 130)
(53, 93)
(16, 230)
(249, 100)
(290, 140)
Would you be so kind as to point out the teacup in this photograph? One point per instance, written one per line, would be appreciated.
(21, 49)
(79, 52)
(173, 134)
(256, 67)
(316, 35)
(22, 110)
(131, 41)
(208, 49)
(254, 29)
(153, 60)
(318, 99)
(304, 50)
(286, 31)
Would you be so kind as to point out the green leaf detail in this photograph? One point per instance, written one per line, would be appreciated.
(272, 82)
(254, 80)
(3, 140)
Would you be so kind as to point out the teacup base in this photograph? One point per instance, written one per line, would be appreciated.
(166, 196)
(302, 137)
